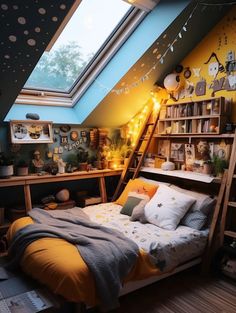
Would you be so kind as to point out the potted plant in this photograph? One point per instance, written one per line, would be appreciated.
(219, 165)
(82, 157)
(22, 168)
(208, 167)
(6, 166)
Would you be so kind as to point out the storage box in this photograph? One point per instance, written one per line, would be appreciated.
(85, 201)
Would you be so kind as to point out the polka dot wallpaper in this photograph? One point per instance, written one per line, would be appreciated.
(26, 29)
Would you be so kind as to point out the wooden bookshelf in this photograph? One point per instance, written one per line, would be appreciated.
(205, 117)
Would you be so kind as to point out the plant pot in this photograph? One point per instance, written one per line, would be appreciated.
(83, 166)
(207, 169)
(6, 171)
(114, 163)
(104, 164)
(22, 171)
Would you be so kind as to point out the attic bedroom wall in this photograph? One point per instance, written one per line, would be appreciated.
(221, 40)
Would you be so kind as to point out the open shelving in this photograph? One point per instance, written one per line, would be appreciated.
(204, 117)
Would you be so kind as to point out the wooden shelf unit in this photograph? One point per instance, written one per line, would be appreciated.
(203, 117)
(27, 181)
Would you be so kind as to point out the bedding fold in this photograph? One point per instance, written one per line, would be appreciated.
(107, 252)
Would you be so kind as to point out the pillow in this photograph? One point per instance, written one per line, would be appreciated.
(195, 220)
(138, 212)
(154, 182)
(167, 207)
(139, 186)
(132, 201)
(204, 202)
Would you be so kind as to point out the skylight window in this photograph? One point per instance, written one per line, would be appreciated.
(81, 40)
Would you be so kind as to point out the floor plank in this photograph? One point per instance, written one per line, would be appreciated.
(186, 292)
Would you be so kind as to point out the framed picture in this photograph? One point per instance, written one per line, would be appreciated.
(177, 152)
(30, 131)
(163, 148)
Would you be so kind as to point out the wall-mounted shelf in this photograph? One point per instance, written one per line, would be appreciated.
(205, 135)
(205, 117)
(183, 174)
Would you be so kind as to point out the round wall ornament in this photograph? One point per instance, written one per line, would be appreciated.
(74, 135)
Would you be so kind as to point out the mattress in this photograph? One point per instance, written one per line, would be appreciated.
(59, 265)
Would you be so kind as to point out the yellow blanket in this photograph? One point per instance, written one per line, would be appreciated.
(58, 264)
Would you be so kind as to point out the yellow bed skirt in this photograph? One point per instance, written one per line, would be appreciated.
(58, 264)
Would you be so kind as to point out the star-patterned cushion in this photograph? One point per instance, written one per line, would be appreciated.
(167, 207)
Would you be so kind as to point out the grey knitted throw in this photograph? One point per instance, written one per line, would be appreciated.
(107, 252)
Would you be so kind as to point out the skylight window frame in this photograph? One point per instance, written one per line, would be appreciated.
(111, 45)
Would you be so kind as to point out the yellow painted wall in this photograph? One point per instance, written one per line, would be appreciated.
(221, 39)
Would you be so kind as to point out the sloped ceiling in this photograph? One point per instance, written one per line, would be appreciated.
(26, 28)
(133, 90)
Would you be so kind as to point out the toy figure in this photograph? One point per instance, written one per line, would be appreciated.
(37, 162)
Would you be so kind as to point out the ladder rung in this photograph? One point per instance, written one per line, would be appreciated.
(124, 182)
(148, 124)
(131, 169)
(233, 204)
(144, 138)
(231, 234)
(138, 152)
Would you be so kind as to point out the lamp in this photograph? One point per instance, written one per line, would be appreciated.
(145, 5)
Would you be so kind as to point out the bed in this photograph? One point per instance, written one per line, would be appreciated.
(58, 264)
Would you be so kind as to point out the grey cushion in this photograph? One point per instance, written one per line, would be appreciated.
(204, 202)
(196, 220)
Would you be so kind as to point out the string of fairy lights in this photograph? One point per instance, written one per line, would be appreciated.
(161, 57)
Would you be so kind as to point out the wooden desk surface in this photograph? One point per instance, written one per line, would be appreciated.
(48, 178)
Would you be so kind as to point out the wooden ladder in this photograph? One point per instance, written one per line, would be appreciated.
(139, 151)
(229, 201)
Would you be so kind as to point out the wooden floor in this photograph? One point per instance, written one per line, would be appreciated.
(186, 292)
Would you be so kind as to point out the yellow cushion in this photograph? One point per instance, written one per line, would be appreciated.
(138, 186)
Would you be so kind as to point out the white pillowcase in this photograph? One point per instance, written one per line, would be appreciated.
(167, 207)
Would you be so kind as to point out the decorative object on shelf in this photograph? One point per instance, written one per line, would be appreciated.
(61, 166)
(189, 156)
(32, 116)
(82, 157)
(177, 152)
(6, 166)
(37, 162)
(168, 166)
(22, 168)
(204, 150)
(29, 131)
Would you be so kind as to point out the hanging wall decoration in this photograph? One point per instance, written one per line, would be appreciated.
(74, 135)
(30, 131)
(200, 88)
(63, 140)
